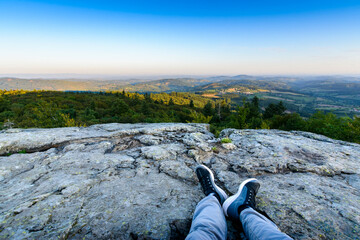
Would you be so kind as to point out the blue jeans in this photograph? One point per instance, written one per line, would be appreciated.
(209, 223)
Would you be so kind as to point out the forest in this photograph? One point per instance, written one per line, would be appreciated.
(48, 109)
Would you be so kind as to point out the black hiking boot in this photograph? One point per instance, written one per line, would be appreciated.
(206, 179)
(244, 198)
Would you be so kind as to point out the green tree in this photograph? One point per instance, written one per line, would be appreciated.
(145, 108)
(47, 114)
(354, 128)
(208, 110)
(88, 115)
(253, 118)
(147, 97)
(68, 121)
(274, 109)
(239, 118)
(191, 104)
(119, 107)
(4, 104)
(288, 122)
(329, 125)
(198, 117)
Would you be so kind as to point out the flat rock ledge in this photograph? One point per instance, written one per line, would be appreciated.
(137, 181)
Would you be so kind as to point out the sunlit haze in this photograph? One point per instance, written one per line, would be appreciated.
(179, 37)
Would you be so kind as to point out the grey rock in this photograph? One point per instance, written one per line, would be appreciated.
(199, 140)
(155, 152)
(149, 139)
(228, 146)
(121, 161)
(177, 169)
(126, 181)
(164, 151)
(194, 154)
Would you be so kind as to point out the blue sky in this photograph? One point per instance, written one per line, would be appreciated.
(179, 37)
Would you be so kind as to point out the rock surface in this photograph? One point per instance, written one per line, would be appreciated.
(137, 181)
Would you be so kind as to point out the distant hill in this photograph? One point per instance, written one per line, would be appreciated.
(337, 87)
(255, 84)
(302, 84)
(134, 85)
(58, 84)
(167, 85)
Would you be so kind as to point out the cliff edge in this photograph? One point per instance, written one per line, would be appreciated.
(137, 181)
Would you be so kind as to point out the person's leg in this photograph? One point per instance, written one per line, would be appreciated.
(209, 220)
(257, 226)
(241, 207)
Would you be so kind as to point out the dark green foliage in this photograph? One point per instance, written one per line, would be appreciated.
(4, 104)
(238, 120)
(119, 107)
(191, 104)
(249, 116)
(354, 128)
(274, 109)
(255, 103)
(208, 109)
(65, 109)
(222, 111)
(253, 117)
(331, 125)
(288, 122)
(145, 108)
(59, 109)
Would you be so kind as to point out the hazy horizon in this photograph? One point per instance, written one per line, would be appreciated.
(104, 77)
(187, 38)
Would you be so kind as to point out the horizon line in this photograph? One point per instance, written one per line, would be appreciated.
(86, 76)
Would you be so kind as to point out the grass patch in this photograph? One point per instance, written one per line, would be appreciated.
(215, 150)
(20, 152)
(226, 140)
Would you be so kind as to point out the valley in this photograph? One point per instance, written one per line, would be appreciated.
(305, 95)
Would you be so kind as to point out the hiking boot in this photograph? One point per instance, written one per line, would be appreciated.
(244, 198)
(206, 179)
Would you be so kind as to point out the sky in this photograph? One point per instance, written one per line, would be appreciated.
(158, 37)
